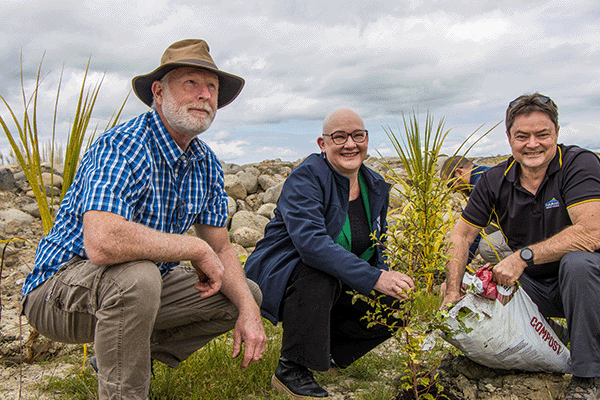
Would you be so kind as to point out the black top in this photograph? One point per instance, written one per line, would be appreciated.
(359, 226)
(573, 177)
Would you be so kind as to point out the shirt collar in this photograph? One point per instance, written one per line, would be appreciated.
(171, 152)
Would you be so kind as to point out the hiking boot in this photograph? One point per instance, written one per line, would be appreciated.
(296, 381)
(583, 389)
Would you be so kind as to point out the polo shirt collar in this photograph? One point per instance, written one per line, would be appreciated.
(171, 152)
(512, 166)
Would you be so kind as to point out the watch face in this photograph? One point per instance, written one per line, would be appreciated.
(526, 254)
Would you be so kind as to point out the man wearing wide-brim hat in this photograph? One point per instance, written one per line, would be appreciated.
(108, 272)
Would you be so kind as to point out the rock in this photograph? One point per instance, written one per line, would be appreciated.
(266, 210)
(266, 181)
(14, 221)
(49, 179)
(250, 220)
(230, 168)
(255, 201)
(7, 179)
(231, 206)
(234, 187)
(32, 209)
(246, 237)
(285, 170)
(272, 194)
(242, 205)
(20, 176)
(23, 185)
(49, 190)
(240, 252)
(468, 390)
(252, 170)
(249, 180)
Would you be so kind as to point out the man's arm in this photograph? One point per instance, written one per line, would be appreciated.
(461, 238)
(249, 328)
(111, 239)
(583, 235)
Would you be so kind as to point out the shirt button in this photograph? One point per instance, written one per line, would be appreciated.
(190, 207)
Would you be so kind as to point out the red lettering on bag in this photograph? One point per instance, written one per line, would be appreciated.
(545, 334)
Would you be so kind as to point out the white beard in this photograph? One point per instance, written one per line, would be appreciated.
(180, 119)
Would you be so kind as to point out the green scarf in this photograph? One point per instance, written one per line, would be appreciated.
(345, 239)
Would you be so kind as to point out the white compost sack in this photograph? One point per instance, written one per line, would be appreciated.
(510, 336)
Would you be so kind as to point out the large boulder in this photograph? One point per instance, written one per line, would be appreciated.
(272, 194)
(250, 220)
(13, 221)
(267, 181)
(249, 180)
(234, 187)
(246, 237)
(267, 210)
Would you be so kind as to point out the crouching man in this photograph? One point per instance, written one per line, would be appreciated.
(546, 198)
(108, 270)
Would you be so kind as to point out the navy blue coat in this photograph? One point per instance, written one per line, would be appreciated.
(309, 216)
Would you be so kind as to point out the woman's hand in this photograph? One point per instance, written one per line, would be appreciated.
(394, 284)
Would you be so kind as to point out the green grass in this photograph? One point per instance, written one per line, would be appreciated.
(211, 373)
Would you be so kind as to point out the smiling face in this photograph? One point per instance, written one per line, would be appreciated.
(348, 157)
(187, 102)
(533, 140)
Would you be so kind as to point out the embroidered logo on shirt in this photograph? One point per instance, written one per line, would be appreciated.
(552, 204)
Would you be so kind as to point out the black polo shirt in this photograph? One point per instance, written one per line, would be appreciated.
(573, 177)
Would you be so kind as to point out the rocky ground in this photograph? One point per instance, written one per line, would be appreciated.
(19, 220)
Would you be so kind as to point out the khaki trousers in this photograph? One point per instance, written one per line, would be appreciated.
(493, 247)
(132, 314)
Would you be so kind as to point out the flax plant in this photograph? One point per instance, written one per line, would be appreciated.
(416, 244)
(25, 143)
(30, 154)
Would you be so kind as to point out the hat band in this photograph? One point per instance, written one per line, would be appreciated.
(197, 62)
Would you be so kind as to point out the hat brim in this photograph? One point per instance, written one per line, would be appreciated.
(230, 85)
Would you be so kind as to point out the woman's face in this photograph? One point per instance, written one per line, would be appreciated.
(348, 157)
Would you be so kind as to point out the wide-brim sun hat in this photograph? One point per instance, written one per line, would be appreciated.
(188, 53)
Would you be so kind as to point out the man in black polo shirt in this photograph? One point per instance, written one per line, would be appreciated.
(546, 198)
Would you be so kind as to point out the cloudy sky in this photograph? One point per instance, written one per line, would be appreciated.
(459, 60)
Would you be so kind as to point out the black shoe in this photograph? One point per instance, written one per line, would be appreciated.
(296, 381)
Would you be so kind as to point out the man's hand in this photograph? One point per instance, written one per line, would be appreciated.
(210, 274)
(394, 284)
(250, 331)
(507, 271)
(448, 297)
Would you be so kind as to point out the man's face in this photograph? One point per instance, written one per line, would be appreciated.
(189, 100)
(461, 180)
(348, 157)
(533, 140)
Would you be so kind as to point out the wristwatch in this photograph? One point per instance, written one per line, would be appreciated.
(527, 256)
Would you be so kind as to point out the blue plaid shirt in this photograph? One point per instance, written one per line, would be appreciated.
(135, 170)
